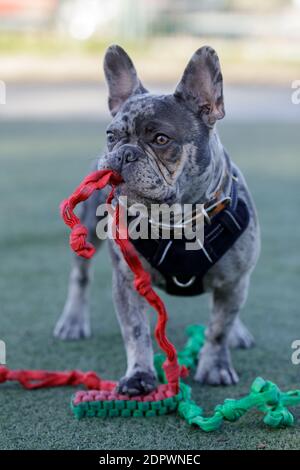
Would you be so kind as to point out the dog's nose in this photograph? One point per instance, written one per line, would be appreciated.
(129, 156)
(116, 160)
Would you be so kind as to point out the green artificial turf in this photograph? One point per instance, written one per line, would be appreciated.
(40, 164)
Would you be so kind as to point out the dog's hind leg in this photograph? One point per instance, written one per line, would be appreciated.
(74, 322)
(215, 367)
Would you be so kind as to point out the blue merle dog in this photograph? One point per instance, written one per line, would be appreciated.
(167, 149)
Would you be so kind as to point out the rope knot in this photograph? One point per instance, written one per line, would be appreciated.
(267, 393)
(230, 410)
(279, 417)
(92, 381)
(78, 241)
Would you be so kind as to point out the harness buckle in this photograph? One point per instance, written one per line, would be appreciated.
(224, 201)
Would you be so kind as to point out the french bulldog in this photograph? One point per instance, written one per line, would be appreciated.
(167, 149)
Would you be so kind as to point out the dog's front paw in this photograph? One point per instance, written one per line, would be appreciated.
(215, 367)
(139, 383)
(73, 324)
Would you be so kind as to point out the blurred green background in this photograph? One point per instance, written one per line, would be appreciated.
(52, 127)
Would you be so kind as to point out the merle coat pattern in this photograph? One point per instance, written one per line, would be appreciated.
(168, 150)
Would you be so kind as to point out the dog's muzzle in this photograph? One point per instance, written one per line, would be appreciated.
(117, 160)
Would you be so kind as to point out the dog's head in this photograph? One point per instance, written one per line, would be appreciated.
(161, 143)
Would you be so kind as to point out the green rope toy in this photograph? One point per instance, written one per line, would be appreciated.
(264, 396)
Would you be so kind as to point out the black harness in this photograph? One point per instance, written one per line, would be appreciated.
(184, 269)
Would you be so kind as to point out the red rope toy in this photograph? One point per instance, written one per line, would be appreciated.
(31, 379)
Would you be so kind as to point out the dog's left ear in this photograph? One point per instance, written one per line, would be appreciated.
(121, 78)
(201, 86)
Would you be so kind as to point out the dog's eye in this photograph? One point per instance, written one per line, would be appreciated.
(111, 138)
(161, 139)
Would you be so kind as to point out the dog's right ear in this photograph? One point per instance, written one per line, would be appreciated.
(121, 78)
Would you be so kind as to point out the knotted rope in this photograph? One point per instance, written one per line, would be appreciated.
(95, 181)
(33, 379)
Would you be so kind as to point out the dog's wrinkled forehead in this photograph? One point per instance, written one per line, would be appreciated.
(136, 109)
(162, 110)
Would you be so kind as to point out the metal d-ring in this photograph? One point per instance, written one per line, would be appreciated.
(181, 284)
